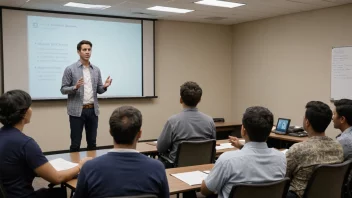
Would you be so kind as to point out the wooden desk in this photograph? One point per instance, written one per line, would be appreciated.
(142, 147)
(287, 137)
(225, 126)
(178, 186)
(224, 129)
(76, 156)
(219, 152)
(175, 185)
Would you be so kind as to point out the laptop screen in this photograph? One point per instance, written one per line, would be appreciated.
(282, 125)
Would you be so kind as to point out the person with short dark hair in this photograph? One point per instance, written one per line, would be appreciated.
(342, 119)
(189, 125)
(123, 171)
(303, 157)
(21, 158)
(254, 163)
(82, 82)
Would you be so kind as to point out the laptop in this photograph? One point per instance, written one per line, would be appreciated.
(282, 126)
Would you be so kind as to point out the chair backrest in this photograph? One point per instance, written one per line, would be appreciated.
(277, 189)
(327, 180)
(190, 153)
(219, 119)
(2, 190)
(137, 196)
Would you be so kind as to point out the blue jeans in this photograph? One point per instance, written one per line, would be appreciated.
(88, 120)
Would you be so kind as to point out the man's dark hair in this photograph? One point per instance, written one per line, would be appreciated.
(13, 106)
(258, 122)
(125, 122)
(79, 45)
(191, 93)
(319, 115)
(344, 108)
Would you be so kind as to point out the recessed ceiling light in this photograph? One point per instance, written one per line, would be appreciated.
(88, 6)
(225, 4)
(169, 9)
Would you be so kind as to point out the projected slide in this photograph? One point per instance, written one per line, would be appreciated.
(52, 46)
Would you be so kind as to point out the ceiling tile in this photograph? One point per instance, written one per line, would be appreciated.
(253, 10)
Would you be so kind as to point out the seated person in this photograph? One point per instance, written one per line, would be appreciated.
(342, 119)
(189, 125)
(254, 163)
(303, 157)
(21, 158)
(123, 171)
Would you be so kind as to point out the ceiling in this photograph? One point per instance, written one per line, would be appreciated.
(253, 10)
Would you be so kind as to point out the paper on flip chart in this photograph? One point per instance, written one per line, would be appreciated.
(284, 151)
(60, 164)
(191, 178)
(224, 146)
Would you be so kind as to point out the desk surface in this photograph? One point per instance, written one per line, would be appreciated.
(76, 156)
(226, 124)
(142, 147)
(178, 186)
(287, 137)
(175, 185)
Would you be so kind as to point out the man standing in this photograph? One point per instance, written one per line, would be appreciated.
(81, 82)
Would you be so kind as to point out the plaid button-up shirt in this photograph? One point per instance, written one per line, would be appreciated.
(75, 97)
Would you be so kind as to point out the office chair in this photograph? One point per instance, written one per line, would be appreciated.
(328, 180)
(277, 189)
(190, 153)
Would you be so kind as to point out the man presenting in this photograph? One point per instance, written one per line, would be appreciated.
(81, 82)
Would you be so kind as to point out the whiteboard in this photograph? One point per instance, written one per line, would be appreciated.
(341, 73)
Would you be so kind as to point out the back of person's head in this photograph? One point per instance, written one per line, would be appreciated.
(344, 109)
(125, 123)
(191, 93)
(258, 122)
(319, 115)
(14, 105)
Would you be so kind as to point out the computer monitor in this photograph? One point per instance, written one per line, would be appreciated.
(282, 125)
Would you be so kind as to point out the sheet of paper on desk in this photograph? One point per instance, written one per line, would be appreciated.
(224, 146)
(207, 171)
(284, 151)
(60, 164)
(191, 178)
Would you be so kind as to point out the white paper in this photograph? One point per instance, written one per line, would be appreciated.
(207, 171)
(224, 146)
(60, 164)
(191, 178)
(284, 151)
(242, 141)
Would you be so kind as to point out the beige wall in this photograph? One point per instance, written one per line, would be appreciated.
(284, 62)
(184, 51)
